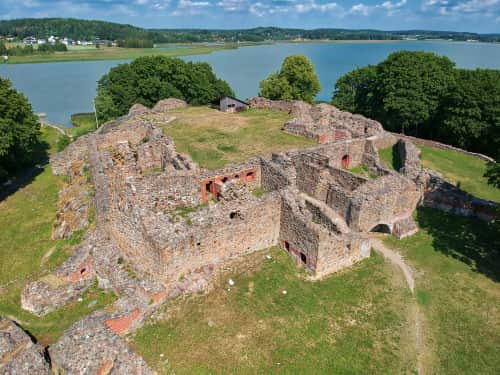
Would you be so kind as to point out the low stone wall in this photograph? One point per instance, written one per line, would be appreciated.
(442, 146)
(444, 196)
(18, 353)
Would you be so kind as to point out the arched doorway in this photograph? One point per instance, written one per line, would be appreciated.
(381, 228)
(345, 162)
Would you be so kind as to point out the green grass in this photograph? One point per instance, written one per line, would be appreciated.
(465, 171)
(390, 156)
(27, 252)
(83, 123)
(457, 168)
(214, 139)
(118, 53)
(457, 263)
(364, 171)
(353, 322)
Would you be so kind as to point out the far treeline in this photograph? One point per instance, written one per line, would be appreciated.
(90, 30)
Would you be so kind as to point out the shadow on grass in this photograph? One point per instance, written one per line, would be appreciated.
(26, 173)
(470, 240)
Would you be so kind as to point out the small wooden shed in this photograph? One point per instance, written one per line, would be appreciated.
(229, 104)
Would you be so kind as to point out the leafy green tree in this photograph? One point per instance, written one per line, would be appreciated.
(19, 130)
(353, 91)
(493, 174)
(409, 89)
(149, 79)
(3, 48)
(297, 79)
(470, 112)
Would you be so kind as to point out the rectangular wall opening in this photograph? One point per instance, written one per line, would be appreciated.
(303, 258)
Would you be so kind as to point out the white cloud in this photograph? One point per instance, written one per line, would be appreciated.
(389, 7)
(457, 9)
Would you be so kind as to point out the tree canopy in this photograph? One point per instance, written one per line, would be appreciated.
(297, 79)
(424, 95)
(19, 130)
(149, 79)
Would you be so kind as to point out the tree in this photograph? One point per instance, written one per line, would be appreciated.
(296, 80)
(3, 48)
(409, 89)
(353, 91)
(493, 174)
(470, 112)
(149, 79)
(19, 130)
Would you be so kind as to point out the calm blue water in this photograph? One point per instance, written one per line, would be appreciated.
(60, 89)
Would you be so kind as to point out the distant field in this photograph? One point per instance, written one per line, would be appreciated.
(455, 167)
(214, 139)
(27, 252)
(118, 53)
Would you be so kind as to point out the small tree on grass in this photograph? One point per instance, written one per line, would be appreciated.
(297, 79)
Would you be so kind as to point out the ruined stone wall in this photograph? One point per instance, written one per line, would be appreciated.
(442, 146)
(294, 107)
(338, 252)
(382, 201)
(230, 230)
(444, 196)
(410, 158)
(339, 200)
(354, 149)
(272, 176)
(297, 232)
(74, 152)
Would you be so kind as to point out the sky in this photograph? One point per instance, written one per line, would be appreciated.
(457, 15)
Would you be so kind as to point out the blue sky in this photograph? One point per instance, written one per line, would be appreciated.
(458, 15)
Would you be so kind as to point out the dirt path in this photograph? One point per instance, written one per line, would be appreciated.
(396, 258)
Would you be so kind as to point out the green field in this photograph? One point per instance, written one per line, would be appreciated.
(459, 169)
(214, 139)
(355, 322)
(27, 252)
(118, 53)
(457, 263)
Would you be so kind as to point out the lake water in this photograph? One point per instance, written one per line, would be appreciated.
(60, 89)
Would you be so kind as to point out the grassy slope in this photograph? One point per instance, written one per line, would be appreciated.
(214, 138)
(26, 219)
(454, 166)
(353, 322)
(457, 167)
(457, 263)
(116, 53)
(83, 123)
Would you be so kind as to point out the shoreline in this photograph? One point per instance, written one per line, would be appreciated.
(185, 49)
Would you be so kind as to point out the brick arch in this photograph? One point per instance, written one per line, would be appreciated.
(345, 162)
(382, 228)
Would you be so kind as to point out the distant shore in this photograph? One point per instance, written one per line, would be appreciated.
(118, 53)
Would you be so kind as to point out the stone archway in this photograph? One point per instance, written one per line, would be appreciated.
(345, 161)
(381, 228)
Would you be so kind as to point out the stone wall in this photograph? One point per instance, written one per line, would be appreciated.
(382, 201)
(442, 146)
(19, 355)
(444, 196)
(215, 234)
(410, 159)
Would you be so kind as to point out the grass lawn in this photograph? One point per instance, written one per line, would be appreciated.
(214, 138)
(118, 53)
(27, 252)
(457, 265)
(454, 166)
(83, 123)
(354, 322)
